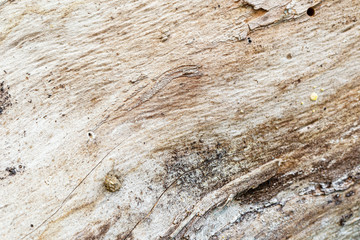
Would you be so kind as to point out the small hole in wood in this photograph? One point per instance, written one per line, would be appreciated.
(310, 11)
(91, 135)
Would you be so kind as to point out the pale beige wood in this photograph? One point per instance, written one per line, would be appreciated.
(187, 100)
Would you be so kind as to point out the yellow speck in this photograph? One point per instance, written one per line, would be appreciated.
(242, 111)
(302, 103)
(315, 87)
(313, 110)
(322, 89)
(313, 96)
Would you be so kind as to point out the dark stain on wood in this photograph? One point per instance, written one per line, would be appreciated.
(5, 97)
(101, 231)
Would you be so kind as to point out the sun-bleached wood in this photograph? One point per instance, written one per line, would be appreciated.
(187, 100)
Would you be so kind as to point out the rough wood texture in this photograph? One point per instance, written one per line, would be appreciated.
(188, 100)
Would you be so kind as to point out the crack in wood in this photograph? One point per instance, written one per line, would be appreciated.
(227, 193)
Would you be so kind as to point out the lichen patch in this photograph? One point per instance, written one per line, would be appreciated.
(113, 181)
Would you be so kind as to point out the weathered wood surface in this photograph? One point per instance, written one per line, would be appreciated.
(203, 106)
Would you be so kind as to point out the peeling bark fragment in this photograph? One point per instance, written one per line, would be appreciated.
(278, 11)
(266, 4)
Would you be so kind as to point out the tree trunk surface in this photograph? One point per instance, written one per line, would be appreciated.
(215, 119)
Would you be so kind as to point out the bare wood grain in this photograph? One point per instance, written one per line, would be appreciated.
(187, 99)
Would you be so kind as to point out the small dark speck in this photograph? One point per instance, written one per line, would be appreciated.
(49, 95)
(324, 108)
(5, 72)
(31, 225)
(349, 194)
(249, 40)
(219, 6)
(344, 219)
(12, 171)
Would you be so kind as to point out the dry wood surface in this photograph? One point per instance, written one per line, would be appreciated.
(228, 119)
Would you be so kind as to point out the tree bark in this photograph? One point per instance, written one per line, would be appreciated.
(216, 119)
